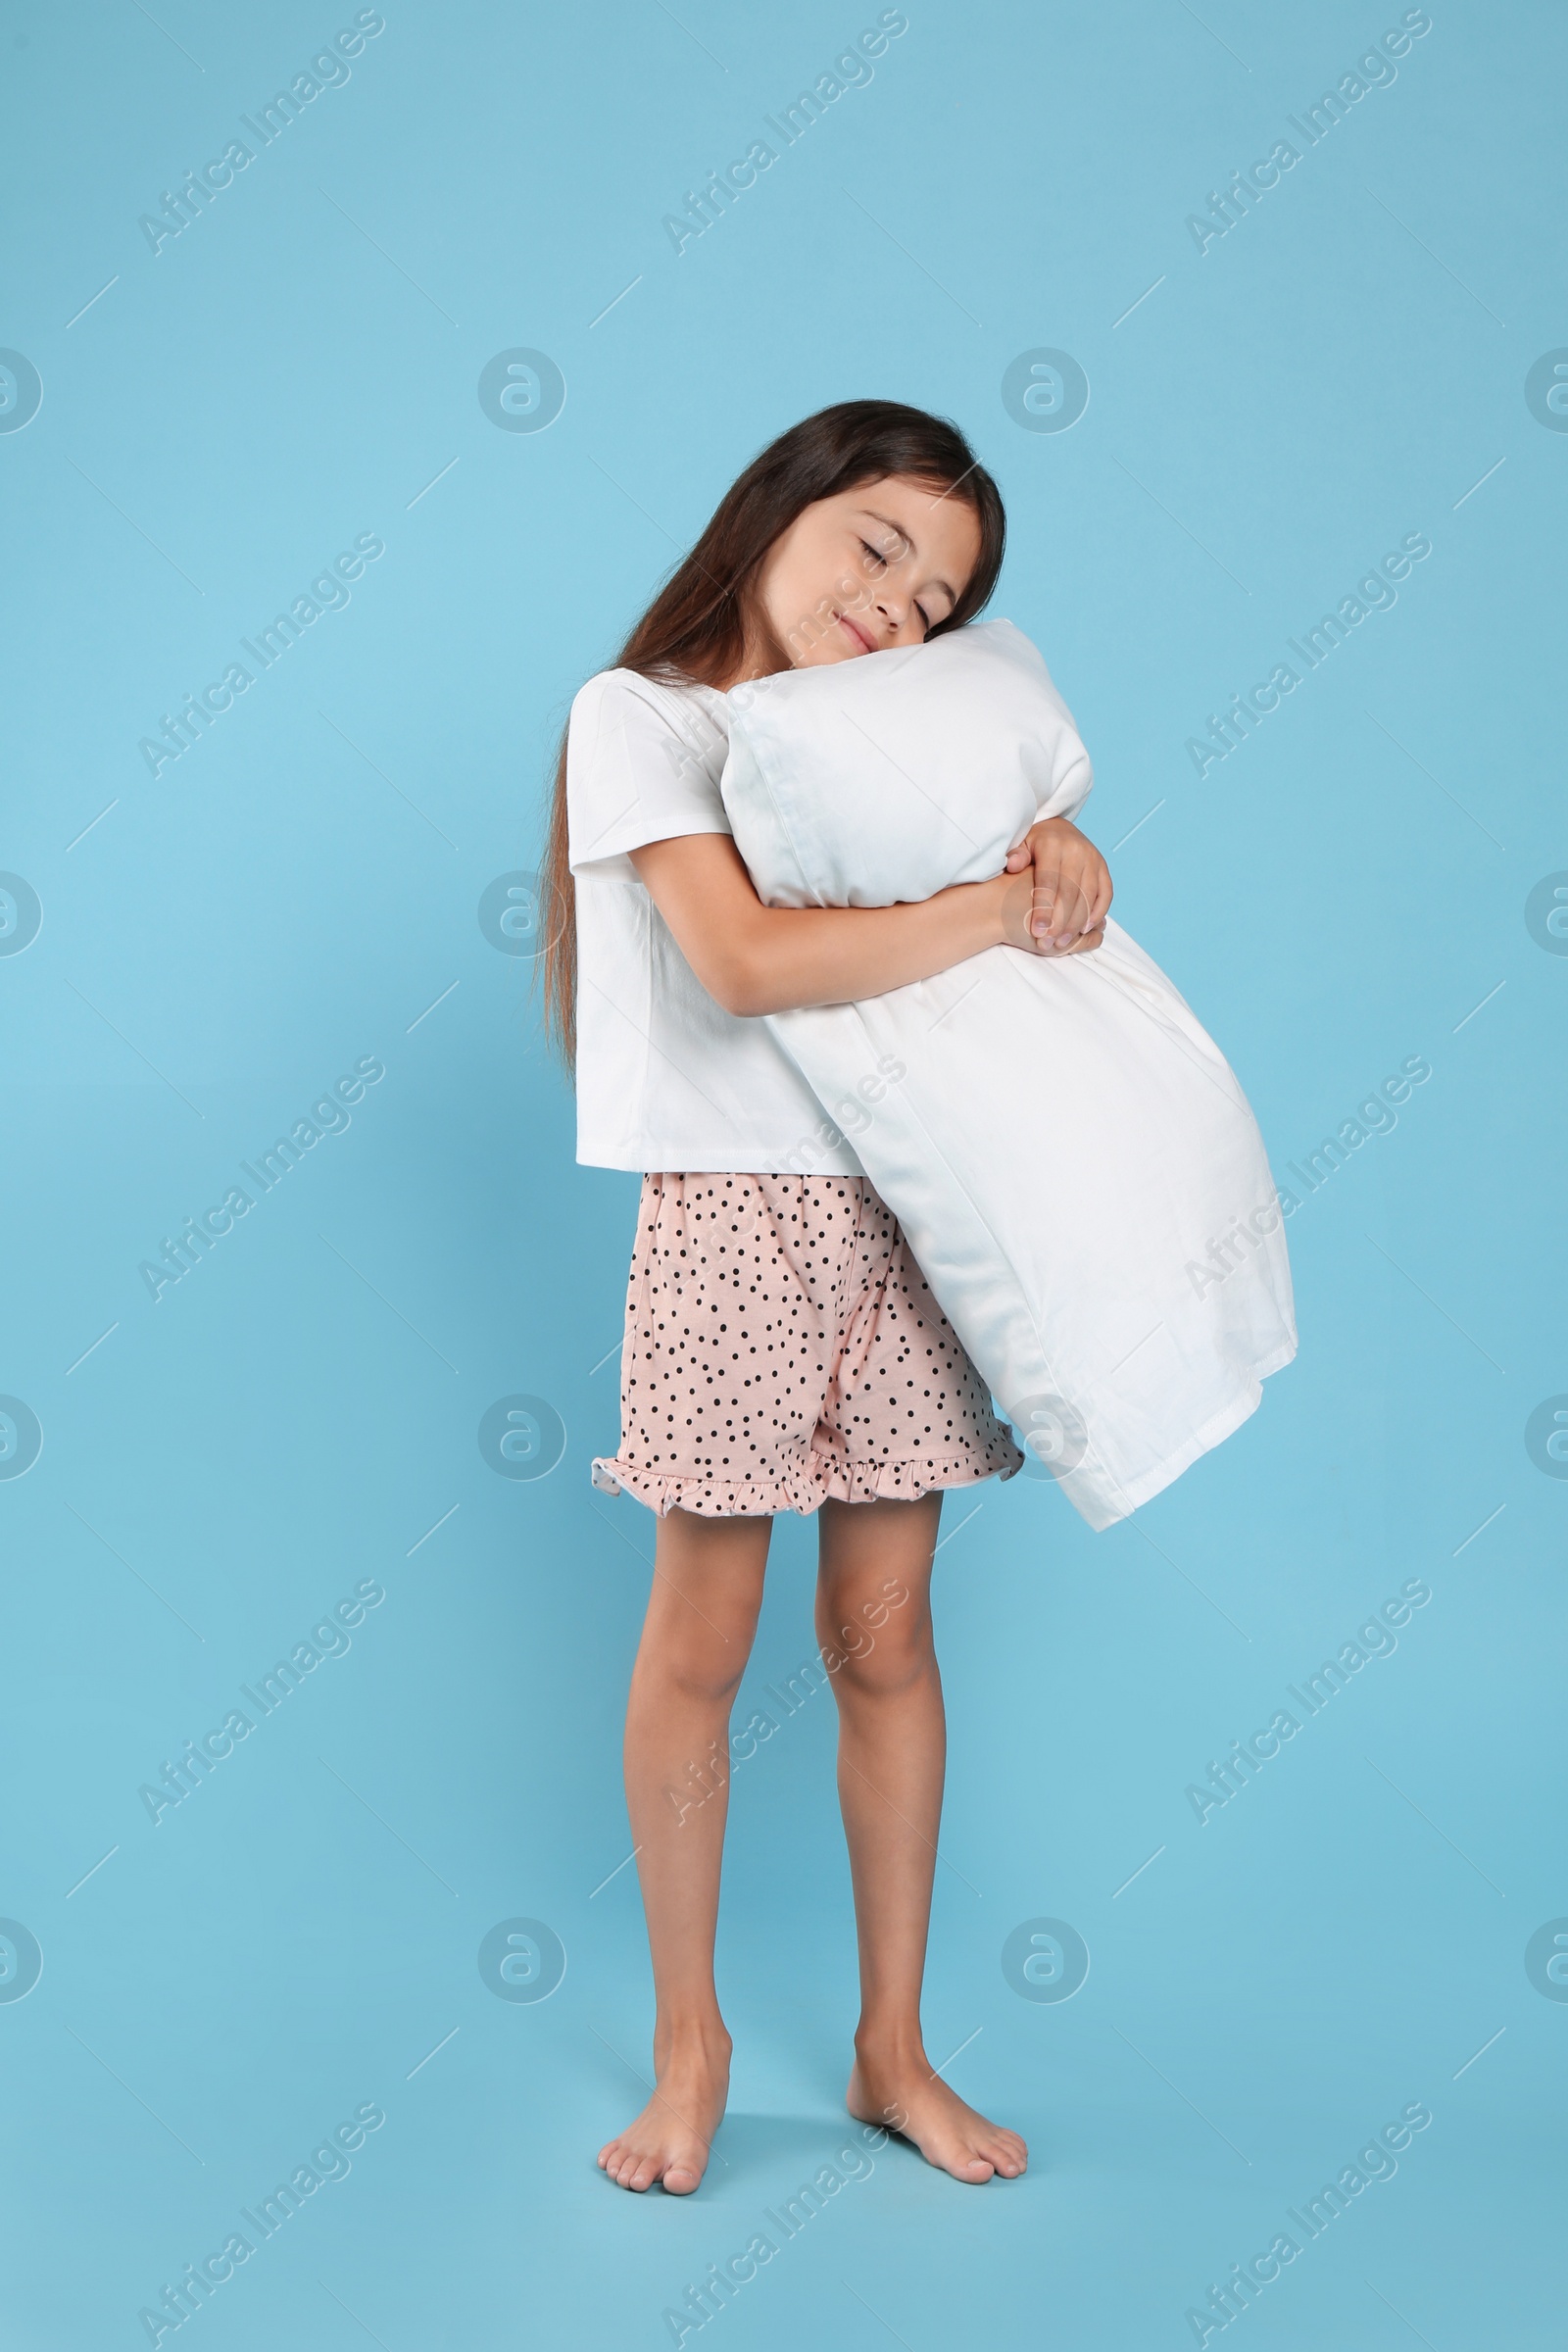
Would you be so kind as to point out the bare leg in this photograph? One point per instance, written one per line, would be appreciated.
(696, 1637)
(892, 1754)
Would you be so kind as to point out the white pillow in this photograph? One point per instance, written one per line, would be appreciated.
(1078, 1172)
(947, 751)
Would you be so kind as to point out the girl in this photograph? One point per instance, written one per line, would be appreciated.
(782, 1350)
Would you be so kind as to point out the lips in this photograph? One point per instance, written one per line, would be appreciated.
(862, 642)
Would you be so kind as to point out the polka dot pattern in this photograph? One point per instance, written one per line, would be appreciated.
(782, 1348)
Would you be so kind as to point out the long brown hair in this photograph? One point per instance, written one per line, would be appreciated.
(698, 625)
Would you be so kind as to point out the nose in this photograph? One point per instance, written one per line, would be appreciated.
(891, 605)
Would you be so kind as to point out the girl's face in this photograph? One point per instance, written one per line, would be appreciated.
(874, 567)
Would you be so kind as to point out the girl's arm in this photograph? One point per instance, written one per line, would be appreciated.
(754, 958)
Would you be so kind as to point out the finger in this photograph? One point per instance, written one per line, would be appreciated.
(1083, 898)
(1046, 877)
(1073, 911)
(1041, 940)
(1017, 858)
(1080, 864)
(1090, 938)
(1016, 916)
(1057, 891)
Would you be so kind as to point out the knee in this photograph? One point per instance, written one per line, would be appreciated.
(882, 1664)
(700, 1666)
(704, 1681)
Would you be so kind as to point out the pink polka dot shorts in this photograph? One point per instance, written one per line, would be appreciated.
(782, 1348)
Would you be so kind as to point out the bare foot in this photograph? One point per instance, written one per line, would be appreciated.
(901, 2093)
(670, 2140)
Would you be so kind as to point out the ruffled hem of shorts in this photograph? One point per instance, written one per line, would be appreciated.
(805, 1485)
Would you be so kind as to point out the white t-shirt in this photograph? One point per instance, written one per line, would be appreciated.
(666, 1079)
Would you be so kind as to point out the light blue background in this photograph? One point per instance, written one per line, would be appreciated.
(1345, 891)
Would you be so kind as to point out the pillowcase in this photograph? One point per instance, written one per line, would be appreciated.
(1072, 1159)
(888, 776)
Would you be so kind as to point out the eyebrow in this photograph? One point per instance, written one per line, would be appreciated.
(889, 525)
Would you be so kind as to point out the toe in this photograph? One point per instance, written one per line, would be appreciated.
(680, 2179)
(644, 2172)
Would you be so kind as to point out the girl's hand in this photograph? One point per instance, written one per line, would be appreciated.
(1014, 913)
(1071, 886)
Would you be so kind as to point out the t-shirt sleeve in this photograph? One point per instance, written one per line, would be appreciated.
(642, 765)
